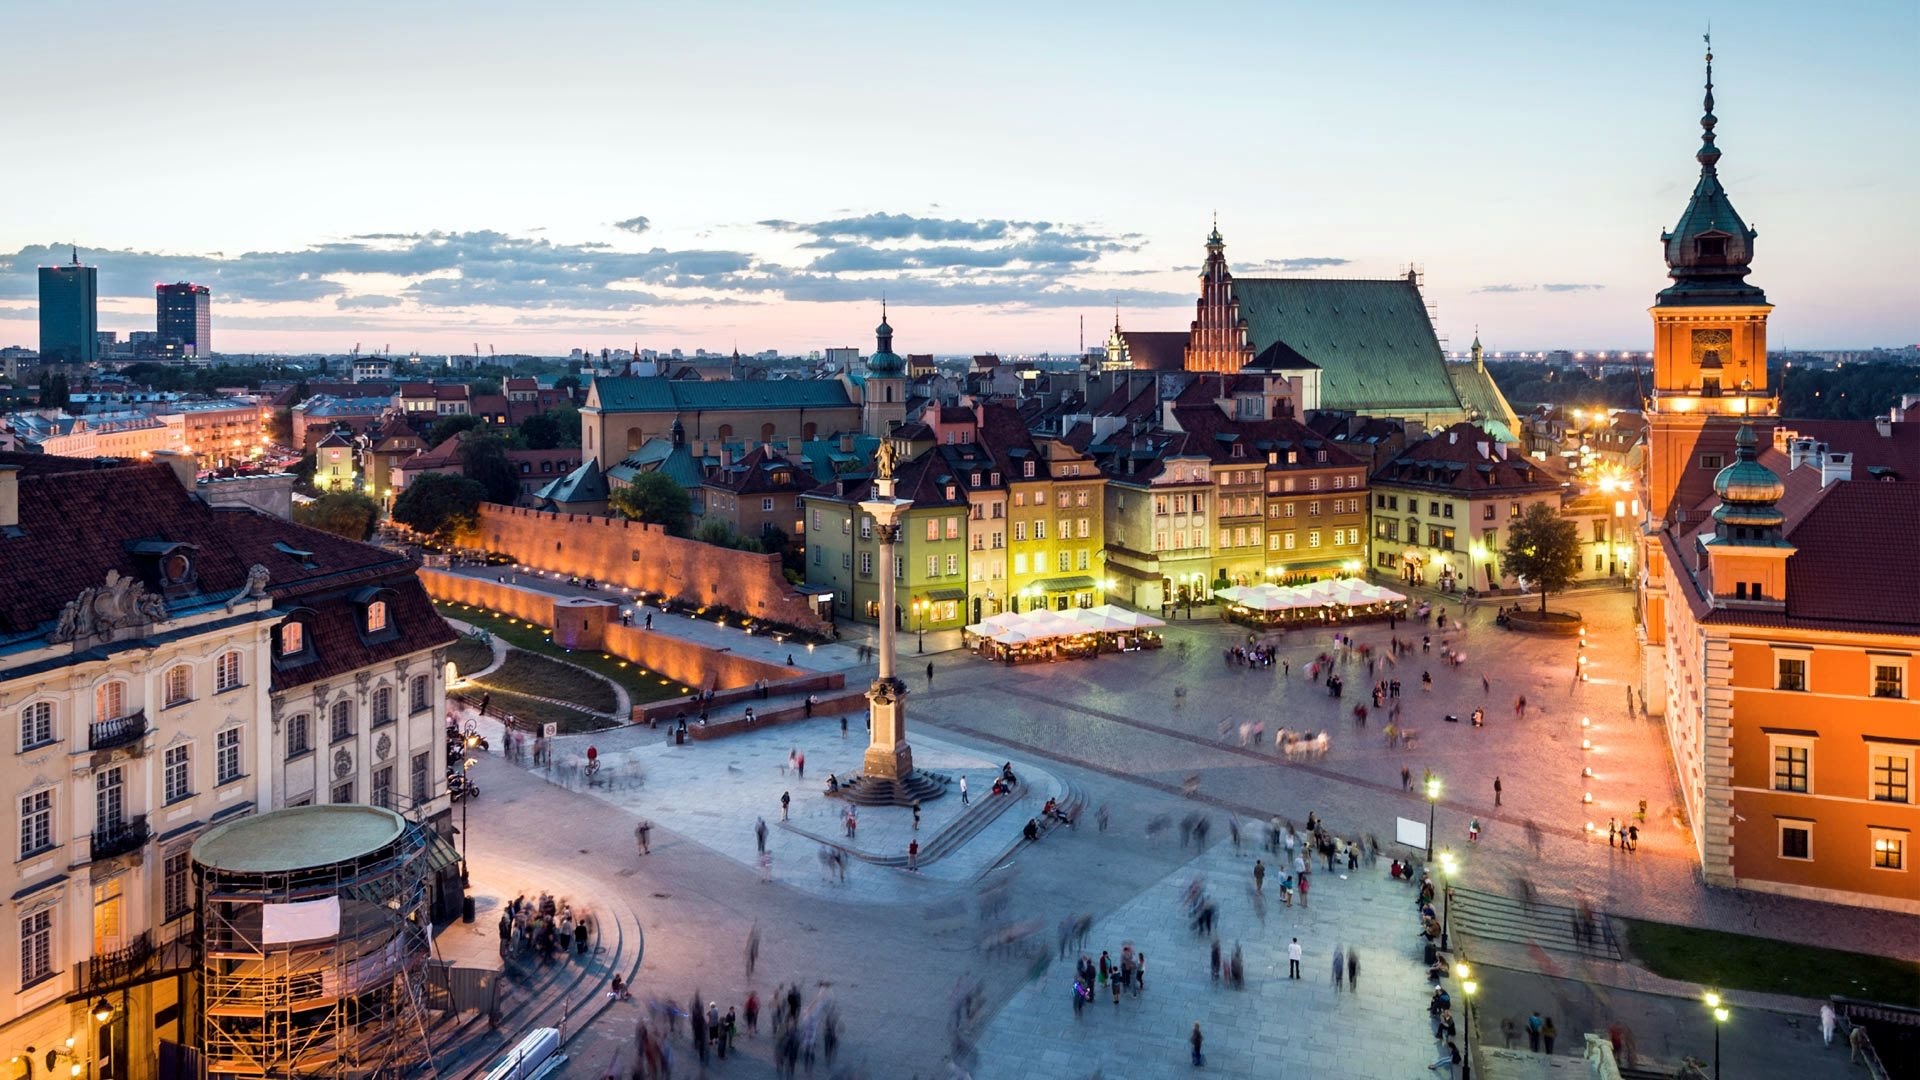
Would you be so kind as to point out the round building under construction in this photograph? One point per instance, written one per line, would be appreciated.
(315, 930)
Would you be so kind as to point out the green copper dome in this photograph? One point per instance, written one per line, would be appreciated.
(884, 360)
(1748, 490)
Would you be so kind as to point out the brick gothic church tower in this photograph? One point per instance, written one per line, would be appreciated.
(1709, 344)
(1217, 340)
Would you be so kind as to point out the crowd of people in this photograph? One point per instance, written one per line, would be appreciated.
(544, 929)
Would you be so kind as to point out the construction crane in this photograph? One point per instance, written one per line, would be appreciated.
(356, 350)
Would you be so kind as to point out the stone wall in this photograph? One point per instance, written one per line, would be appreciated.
(687, 662)
(514, 600)
(636, 555)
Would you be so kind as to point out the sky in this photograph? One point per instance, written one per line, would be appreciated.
(540, 177)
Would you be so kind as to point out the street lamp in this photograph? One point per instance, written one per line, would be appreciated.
(1719, 1017)
(1448, 867)
(466, 763)
(1433, 802)
(920, 611)
(103, 1015)
(1467, 988)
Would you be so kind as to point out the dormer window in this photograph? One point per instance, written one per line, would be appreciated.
(376, 616)
(293, 639)
(1027, 469)
(1712, 247)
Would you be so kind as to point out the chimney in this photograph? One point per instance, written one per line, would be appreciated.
(1834, 467)
(1485, 448)
(846, 442)
(9, 496)
(1801, 452)
(1501, 449)
(185, 468)
(1452, 437)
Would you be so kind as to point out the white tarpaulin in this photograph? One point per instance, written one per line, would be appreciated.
(304, 921)
(1411, 833)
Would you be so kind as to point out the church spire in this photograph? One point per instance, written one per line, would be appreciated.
(1709, 154)
(1709, 251)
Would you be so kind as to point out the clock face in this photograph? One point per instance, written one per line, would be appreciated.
(342, 763)
(1712, 348)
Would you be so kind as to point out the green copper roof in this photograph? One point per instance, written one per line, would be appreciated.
(642, 393)
(1708, 252)
(1478, 392)
(1371, 338)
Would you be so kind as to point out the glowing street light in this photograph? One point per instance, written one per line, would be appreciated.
(1433, 802)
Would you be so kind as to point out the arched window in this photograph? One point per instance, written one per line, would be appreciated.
(226, 672)
(376, 616)
(179, 684)
(293, 638)
(635, 437)
(36, 725)
(382, 706)
(725, 432)
(766, 433)
(109, 701)
(808, 430)
(417, 694)
(342, 720)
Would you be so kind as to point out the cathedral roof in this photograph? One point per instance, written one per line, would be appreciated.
(1371, 338)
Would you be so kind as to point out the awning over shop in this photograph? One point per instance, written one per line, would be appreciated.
(946, 594)
(1067, 584)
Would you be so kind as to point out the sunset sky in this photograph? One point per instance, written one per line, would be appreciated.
(538, 177)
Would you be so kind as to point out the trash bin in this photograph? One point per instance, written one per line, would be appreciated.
(679, 736)
(466, 909)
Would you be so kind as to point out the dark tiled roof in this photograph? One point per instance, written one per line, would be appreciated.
(1894, 455)
(1463, 458)
(1156, 350)
(760, 472)
(1372, 339)
(585, 484)
(634, 393)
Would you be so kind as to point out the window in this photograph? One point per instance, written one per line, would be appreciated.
(36, 725)
(1486, 512)
(1446, 511)
(419, 692)
(1063, 561)
(376, 616)
(383, 787)
(179, 684)
(866, 564)
(226, 756)
(953, 526)
(1792, 763)
(36, 823)
(1080, 560)
(933, 528)
(109, 798)
(226, 672)
(1892, 773)
(933, 566)
(299, 734)
(1039, 528)
(382, 706)
(1062, 500)
(109, 701)
(1792, 674)
(178, 876)
(178, 772)
(343, 792)
(1715, 462)
(1796, 840)
(1889, 678)
(1019, 564)
(953, 564)
(846, 561)
(1313, 538)
(1889, 849)
(1289, 510)
(342, 720)
(36, 948)
(422, 761)
(1289, 544)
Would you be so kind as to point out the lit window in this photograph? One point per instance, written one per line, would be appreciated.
(1889, 849)
(376, 616)
(179, 682)
(109, 701)
(1792, 764)
(293, 638)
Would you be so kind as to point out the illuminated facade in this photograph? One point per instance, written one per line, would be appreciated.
(183, 315)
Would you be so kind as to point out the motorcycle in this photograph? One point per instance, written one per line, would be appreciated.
(461, 788)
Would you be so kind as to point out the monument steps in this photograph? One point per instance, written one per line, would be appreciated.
(1550, 926)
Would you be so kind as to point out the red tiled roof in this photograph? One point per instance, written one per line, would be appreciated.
(1453, 460)
(1898, 450)
(1858, 556)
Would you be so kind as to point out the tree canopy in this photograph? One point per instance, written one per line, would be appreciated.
(342, 513)
(656, 499)
(448, 426)
(554, 429)
(483, 456)
(1544, 548)
(439, 504)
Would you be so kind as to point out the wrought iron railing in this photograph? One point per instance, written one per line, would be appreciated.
(107, 734)
(121, 837)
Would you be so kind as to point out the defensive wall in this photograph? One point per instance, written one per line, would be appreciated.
(636, 555)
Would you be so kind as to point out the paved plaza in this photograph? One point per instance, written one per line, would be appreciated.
(1127, 732)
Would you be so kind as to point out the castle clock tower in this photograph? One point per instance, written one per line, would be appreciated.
(1709, 344)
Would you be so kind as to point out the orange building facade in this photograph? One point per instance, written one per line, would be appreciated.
(1776, 602)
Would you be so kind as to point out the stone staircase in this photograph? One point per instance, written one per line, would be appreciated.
(1513, 919)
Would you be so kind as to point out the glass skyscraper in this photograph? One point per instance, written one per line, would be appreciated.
(182, 315)
(69, 313)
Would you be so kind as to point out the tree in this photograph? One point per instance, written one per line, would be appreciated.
(342, 513)
(720, 533)
(483, 457)
(439, 504)
(569, 383)
(552, 430)
(656, 499)
(53, 390)
(1544, 548)
(448, 426)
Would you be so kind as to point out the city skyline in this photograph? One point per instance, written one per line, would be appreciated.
(707, 191)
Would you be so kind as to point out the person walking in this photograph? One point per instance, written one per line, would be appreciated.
(1633, 838)
(1547, 1033)
(760, 836)
(963, 782)
(1533, 1032)
(1339, 966)
(1259, 875)
(1473, 831)
(1613, 831)
(1214, 961)
(786, 798)
(1293, 955)
(913, 855)
(1496, 791)
(1303, 889)
(929, 673)
(1406, 778)
(641, 833)
(800, 766)
(1826, 1011)
(1353, 969)
(1197, 1040)
(843, 727)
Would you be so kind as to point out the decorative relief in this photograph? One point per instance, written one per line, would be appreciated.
(383, 748)
(121, 601)
(342, 764)
(256, 587)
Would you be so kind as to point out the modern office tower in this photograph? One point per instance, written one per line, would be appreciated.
(69, 312)
(182, 315)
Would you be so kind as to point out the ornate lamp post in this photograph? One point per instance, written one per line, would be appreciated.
(1448, 868)
(1467, 989)
(920, 612)
(1433, 802)
(1720, 1015)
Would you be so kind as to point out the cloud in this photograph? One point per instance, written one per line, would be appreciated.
(635, 225)
(367, 302)
(908, 227)
(1555, 287)
(1291, 266)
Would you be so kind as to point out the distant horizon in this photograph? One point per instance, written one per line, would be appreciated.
(674, 178)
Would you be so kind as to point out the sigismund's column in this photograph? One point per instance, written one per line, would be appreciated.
(888, 755)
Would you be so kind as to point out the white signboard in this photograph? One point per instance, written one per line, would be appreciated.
(1410, 833)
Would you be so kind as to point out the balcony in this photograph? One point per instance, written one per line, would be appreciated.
(122, 731)
(120, 838)
(114, 970)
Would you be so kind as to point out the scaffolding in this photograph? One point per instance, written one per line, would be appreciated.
(314, 968)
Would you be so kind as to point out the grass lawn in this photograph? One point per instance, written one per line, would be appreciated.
(642, 685)
(469, 655)
(540, 712)
(1724, 961)
(536, 676)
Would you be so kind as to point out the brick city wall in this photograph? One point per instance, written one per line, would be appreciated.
(737, 698)
(636, 555)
